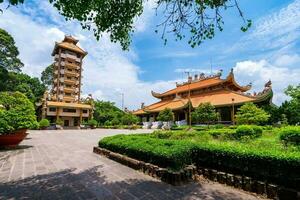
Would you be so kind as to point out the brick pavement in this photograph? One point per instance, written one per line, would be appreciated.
(61, 165)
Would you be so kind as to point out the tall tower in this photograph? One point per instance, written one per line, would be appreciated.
(67, 76)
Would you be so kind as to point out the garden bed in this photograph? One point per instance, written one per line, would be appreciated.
(264, 159)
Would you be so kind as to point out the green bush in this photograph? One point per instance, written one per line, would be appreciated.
(263, 164)
(59, 122)
(107, 123)
(247, 131)
(218, 126)
(162, 134)
(174, 154)
(290, 135)
(16, 112)
(44, 123)
(93, 123)
(222, 133)
(115, 121)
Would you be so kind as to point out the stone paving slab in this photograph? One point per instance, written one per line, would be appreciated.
(62, 165)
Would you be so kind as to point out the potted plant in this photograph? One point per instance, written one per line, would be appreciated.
(17, 114)
(44, 123)
(59, 123)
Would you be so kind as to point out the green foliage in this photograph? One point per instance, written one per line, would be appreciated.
(284, 120)
(274, 112)
(44, 123)
(165, 115)
(291, 108)
(59, 122)
(129, 119)
(171, 154)
(290, 135)
(9, 52)
(17, 112)
(31, 87)
(263, 159)
(106, 111)
(249, 113)
(204, 113)
(247, 131)
(47, 75)
(93, 123)
(162, 134)
(115, 121)
(199, 20)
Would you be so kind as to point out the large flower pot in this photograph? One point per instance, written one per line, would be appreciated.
(13, 139)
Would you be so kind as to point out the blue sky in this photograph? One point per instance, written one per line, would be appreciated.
(269, 50)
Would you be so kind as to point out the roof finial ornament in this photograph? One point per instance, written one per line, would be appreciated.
(231, 71)
(268, 84)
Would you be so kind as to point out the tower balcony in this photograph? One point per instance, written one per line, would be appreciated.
(71, 73)
(68, 98)
(69, 90)
(71, 82)
(72, 66)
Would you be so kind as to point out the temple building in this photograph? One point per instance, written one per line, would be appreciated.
(63, 101)
(225, 94)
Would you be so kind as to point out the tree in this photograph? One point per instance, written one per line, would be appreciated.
(31, 87)
(165, 115)
(249, 113)
(129, 119)
(274, 112)
(205, 113)
(9, 52)
(291, 108)
(47, 76)
(198, 19)
(106, 111)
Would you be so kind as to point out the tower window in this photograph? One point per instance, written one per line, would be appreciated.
(52, 109)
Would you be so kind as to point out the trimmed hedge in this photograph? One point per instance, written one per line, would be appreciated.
(171, 154)
(277, 167)
(248, 131)
(290, 135)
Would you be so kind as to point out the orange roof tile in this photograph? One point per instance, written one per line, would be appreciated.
(139, 112)
(173, 104)
(194, 85)
(220, 98)
(71, 47)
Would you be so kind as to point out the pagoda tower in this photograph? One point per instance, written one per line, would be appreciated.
(63, 102)
(67, 75)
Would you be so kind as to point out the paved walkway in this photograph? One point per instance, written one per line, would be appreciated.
(61, 165)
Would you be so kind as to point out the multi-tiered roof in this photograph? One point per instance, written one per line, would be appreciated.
(219, 92)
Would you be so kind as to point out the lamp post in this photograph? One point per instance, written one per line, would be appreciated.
(233, 121)
(190, 114)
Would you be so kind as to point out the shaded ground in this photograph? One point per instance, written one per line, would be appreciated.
(61, 165)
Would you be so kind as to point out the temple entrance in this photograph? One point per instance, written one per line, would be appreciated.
(66, 123)
(225, 114)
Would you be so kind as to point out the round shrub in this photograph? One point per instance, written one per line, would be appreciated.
(92, 122)
(59, 122)
(248, 131)
(290, 135)
(44, 123)
(16, 112)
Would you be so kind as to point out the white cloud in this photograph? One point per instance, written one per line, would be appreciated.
(278, 31)
(108, 71)
(259, 72)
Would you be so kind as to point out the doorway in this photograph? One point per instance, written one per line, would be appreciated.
(66, 123)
